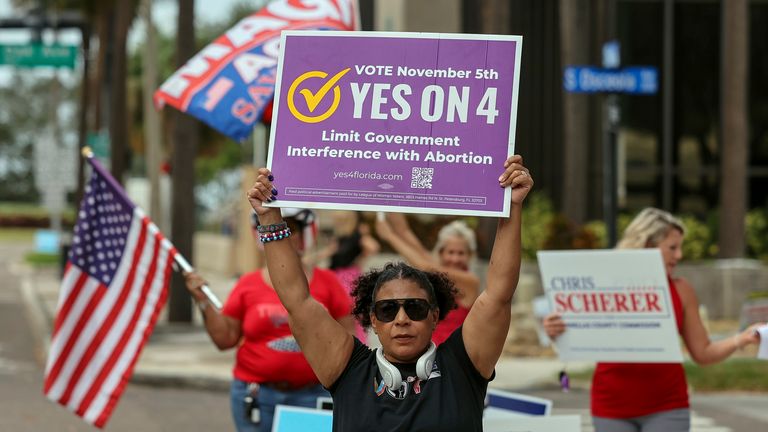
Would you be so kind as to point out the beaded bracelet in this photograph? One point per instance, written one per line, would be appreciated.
(263, 229)
(277, 235)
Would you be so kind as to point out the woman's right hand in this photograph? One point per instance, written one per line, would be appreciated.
(384, 229)
(554, 325)
(263, 191)
(194, 283)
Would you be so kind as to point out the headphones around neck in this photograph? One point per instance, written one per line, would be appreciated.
(391, 374)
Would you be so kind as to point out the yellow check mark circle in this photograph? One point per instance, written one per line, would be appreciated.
(314, 99)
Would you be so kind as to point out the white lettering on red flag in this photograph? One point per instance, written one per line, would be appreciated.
(114, 287)
(230, 82)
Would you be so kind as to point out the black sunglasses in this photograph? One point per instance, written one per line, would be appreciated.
(417, 309)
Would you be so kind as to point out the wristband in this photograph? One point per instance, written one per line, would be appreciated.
(264, 229)
(276, 235)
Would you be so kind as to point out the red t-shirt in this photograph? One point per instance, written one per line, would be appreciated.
(452, 321)
(268, 352)
(626, 390)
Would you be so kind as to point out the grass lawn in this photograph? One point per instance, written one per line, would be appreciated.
(17, 235)
(735, 374)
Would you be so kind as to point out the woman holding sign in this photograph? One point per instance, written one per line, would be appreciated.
(652, 397)
(408, 383)
(453, 253)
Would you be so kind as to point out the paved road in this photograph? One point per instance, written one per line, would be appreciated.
(23, 408)
(718, 412)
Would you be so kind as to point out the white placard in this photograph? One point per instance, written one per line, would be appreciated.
(616, 305)
(558, 423)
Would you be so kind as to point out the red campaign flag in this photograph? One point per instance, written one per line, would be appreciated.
(231, 82)
(113, 289)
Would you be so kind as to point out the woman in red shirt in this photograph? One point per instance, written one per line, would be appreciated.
(652, 397)
(453, 255)
(270, 368)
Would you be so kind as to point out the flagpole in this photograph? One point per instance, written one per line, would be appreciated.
(178, 257)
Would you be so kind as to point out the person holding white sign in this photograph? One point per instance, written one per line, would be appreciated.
(408, 383)
(453, 253)
(651, 397)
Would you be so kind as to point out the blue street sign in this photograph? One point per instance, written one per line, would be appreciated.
(590, 79)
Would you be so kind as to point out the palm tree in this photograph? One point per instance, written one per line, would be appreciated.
(734, 129)
(185, 142)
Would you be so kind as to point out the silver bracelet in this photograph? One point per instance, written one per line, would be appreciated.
(203, 305)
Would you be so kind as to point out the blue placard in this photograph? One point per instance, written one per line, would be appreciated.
(297, 419)
(518, 403)
(632, 80)
(47, 241)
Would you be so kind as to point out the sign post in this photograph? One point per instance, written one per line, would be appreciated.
(613, 80)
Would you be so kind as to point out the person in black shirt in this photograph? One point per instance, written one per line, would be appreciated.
(408, 384)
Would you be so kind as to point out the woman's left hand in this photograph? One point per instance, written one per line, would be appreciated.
(516, 175)
(263, 191)
(749, 336)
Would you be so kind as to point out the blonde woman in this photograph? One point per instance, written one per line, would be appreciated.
(453, 255)
(652, 397)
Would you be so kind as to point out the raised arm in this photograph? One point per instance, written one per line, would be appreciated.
(704, 351)
(324, 342)
(396, 231)
(487, 324)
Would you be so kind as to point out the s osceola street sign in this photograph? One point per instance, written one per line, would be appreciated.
(591, 79)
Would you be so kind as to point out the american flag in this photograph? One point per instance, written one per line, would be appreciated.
(113, 289)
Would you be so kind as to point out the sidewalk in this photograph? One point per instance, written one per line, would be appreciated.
(183, 355)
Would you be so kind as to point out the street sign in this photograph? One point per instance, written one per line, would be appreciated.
(35, 54)
(632, 80)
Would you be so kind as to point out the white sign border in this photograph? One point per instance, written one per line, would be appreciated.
(413, 35)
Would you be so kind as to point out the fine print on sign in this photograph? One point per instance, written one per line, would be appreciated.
(616, 305)
(410, 122)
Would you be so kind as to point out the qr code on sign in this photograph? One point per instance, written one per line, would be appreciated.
(421, 178)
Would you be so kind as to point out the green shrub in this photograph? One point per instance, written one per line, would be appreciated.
(537, 215)
(757, 233)
(699, 241)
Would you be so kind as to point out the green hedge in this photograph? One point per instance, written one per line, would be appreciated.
(545, 229)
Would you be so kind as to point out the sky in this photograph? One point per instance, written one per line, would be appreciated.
(164, 11)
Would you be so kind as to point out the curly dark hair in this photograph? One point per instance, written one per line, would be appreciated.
(442, 291)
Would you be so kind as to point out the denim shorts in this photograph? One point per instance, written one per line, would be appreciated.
(268, 398)
(676, 420)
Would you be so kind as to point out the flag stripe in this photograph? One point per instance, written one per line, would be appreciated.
(106, 349)
(114, 385)
(128, 267)
(65, 317)
(93, 302)
(108, 325)
(123, 330)
(68, 299)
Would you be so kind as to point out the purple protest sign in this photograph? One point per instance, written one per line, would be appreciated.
(409, 122)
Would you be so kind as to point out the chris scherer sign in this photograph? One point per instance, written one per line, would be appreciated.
(410, 122)
(616, 305)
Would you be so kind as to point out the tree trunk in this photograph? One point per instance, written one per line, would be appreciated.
(183, 171)
(574, 43)
(734, 131)
(118, 130)
(152, 135)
